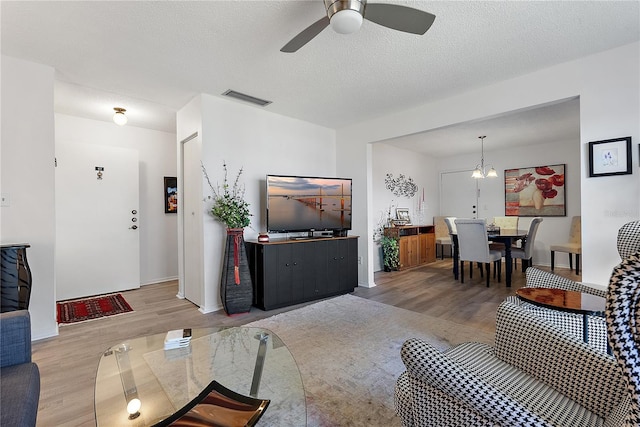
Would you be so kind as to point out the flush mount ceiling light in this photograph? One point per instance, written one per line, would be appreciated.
(346, 16)
(480, 171)
(119, 118)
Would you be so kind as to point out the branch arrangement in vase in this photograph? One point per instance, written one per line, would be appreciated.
(229, 205)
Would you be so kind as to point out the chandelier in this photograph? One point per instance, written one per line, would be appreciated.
(480, 171)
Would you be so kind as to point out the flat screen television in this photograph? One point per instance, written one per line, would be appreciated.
(305, 203)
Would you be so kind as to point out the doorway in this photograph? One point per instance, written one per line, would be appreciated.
(97, 227)
(191, 197)
(459, 194)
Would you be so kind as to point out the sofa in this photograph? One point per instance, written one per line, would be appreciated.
(19, 377)
(534, 375)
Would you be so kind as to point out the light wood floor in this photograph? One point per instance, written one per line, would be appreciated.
(68, 362)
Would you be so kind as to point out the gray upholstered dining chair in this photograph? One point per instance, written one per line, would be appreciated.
(473, 246)
(525, 253)
(450, 221)
(573, 246)
(451, 226)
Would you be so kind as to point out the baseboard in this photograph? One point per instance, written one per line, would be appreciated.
(163, 280)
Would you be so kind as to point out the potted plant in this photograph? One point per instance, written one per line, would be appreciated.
(230, 208)
(390, 252)
(389, 245)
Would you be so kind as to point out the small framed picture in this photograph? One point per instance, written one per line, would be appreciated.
(402, 214)
(170, 194)
(610, 157)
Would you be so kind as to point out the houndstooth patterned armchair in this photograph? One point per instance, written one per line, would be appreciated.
(623, 325)
(534, 375)
(628, 242)
(569, 322)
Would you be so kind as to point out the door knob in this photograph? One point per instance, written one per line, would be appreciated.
(134, 227)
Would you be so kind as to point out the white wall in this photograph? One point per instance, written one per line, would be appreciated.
(421, 169)
(27, 178)
(609, 108)
(157, 154)
(552, 229)
(261, 143)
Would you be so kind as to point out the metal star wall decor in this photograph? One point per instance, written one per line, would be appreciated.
(401, 186)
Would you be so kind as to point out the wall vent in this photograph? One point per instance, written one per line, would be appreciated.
(246, 98)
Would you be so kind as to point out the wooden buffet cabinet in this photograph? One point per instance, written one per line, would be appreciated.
(417, 244)
(287, 272)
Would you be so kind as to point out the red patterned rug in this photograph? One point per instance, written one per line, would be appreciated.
(74, 311)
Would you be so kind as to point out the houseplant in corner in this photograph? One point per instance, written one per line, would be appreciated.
(390, 252)
(230, 208)
(389, 244)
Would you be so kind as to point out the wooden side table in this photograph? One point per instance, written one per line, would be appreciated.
(569, 301)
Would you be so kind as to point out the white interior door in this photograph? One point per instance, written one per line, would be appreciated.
(458, 194)
(97, 237)
(192, 221)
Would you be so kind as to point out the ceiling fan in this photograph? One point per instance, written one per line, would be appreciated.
(345, 17)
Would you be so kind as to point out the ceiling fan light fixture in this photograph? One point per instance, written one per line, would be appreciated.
(346, 21)
(119, 118)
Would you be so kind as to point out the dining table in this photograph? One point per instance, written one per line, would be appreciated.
(504, 236)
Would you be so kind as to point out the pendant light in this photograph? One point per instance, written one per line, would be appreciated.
(480, 171)
(119, 118)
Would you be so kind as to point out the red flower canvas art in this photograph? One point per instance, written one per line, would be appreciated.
(535, 191)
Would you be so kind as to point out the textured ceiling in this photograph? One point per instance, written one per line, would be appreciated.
(554, 122)
(152, 57)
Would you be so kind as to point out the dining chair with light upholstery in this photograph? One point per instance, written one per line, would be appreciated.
(473, 246)
(573, 246)
(506, 222)
(450, 221)
(525, 253)
(443, 236)
(451, 226)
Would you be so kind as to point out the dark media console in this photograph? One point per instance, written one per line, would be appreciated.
(323, 235)
(287, 272)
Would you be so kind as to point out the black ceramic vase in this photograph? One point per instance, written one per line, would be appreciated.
(236, 289)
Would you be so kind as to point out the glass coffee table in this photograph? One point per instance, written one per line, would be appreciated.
(138, 383)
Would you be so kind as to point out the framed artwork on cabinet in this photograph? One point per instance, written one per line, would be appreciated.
(402, 216)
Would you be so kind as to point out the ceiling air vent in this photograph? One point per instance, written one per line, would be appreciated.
(246, 98)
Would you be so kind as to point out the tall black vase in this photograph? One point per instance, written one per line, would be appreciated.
(236, 289)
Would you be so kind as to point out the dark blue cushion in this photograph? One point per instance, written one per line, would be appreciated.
(15, 338)
(20, 393)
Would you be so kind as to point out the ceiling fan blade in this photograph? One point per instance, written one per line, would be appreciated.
(306, 35)
(401, 18)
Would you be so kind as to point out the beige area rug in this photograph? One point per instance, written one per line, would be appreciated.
(348, 351)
